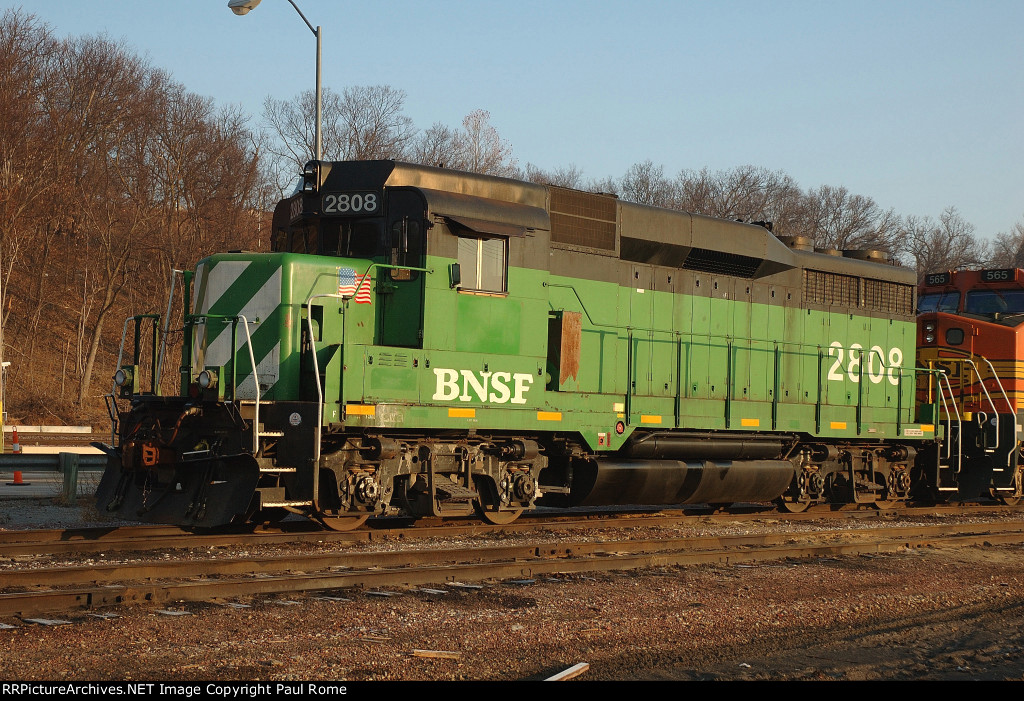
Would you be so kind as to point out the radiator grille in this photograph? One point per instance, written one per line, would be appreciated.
(583, 218)
(833, 289)
(722, 263)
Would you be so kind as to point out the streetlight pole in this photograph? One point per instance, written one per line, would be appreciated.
(242, 7)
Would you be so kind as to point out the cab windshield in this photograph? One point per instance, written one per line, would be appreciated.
(938, 302)
(352, 238)
(995, 302)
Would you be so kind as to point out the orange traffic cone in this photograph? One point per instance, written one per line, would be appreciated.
(18, 481)
(16, 447)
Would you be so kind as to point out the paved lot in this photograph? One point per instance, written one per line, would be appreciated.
(45, 484)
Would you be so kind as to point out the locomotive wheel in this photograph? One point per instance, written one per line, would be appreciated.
(341, 523)
(488, 501)
(1017, 496)
(793, 507)
(885, 504)
(497, 518)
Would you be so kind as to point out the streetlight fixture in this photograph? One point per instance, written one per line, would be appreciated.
(242, 7)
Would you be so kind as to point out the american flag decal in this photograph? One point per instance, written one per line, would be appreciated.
(347, 285)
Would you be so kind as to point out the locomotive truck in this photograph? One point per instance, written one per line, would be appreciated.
(429, 342)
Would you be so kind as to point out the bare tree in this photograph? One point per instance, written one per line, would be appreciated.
(485, 151)
(292, 128)
(606, 186)
(948, 244)
(645, 183)
(29, 159)
(836, 218)
(112, 174)
(476, 147)
(439, 146)
(747, 193)
(569, 176)
(1008, 248)
(364, 122)
(375, 126)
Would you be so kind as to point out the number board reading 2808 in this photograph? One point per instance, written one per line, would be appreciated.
(354, 203)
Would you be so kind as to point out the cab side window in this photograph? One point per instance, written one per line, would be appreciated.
(484, 264)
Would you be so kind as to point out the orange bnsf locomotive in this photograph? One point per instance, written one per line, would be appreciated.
(971, 325)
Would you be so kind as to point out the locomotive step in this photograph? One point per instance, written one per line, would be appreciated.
(455, 492)
(284, 504)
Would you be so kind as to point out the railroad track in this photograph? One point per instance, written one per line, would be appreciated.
(54, 542)
(32, 438)
(213, 577)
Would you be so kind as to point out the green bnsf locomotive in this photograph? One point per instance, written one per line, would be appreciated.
(429, 342)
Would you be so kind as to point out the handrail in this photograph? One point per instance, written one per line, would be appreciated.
(941, 376)
(1009, 406)
(866, 353)
(167, 323)
(976, 374)
(731, 350)
(584, 308)
(256, 382)
(386, 266)
(113, 384)
(1002, 390)
(192, 318)
(984, 389)
(319, 387)
(137, 318)
(120, 353)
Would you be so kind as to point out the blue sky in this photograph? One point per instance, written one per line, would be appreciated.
(918, 104)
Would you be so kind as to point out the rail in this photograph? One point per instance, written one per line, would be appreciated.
(186, 581)
(70, 465)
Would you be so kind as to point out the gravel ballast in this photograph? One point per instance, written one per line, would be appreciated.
(933, 613)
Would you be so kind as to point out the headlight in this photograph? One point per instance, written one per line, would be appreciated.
(929, 327)
(207, 380)
(929, 338)
(122, 377)
(311, 177)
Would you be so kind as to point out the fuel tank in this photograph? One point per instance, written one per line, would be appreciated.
(603, 482)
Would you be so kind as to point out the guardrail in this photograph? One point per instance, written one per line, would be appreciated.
(69, 465)
(63, 430)
(44, 462)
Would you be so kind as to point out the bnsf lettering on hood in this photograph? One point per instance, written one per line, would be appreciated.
(490, 387)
